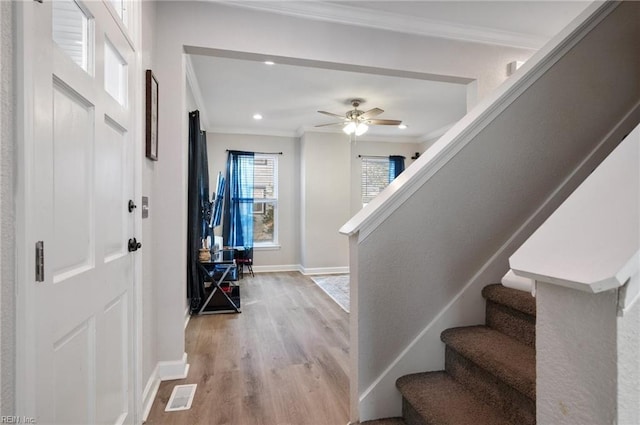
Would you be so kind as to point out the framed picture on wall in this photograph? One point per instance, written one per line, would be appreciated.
(151, 116)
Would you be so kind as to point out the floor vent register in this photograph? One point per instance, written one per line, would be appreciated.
(181, 397)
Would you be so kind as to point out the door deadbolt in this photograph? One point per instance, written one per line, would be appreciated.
(132, 205)
(134, 245)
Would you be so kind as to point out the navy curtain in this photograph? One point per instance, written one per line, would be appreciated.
(396, 166)
(237, 227)
(199, 207)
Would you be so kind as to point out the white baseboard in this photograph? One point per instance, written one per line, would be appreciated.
(149, 394)
(323, 270)
(187, 317)
(301, 269)
(164, 371)
(276, 268)
(170, 370)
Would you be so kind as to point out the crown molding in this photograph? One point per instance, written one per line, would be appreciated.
(192, 80)
(365, 137)
(252, 131)
(356, 16)
(302, 130)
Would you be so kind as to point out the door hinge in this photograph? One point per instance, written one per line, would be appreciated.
(40, 261)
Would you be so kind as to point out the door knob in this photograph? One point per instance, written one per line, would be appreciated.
(132, 205)
(134, 245)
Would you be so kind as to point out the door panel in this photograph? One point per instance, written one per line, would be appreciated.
(72, 368)
(115, 166)
(73, 136)
(112, 347)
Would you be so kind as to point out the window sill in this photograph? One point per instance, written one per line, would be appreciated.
(273, 247)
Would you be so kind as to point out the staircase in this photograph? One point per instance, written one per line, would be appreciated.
(490, 370)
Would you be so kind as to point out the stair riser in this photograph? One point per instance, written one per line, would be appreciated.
(517, 407)
(410, 415)
(511, 322)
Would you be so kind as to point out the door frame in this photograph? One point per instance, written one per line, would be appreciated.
(26, 47)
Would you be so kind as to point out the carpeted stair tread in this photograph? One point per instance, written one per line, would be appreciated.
(386, 421)
(517, 300)
(439, 400)
(505, 358)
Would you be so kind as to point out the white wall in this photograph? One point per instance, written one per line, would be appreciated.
(628, 362)
(286, 256)
(213, 25)
(149, 330)
(575, 356)
(587, 357)
(7, 217)
(455, 232)
(190, 100)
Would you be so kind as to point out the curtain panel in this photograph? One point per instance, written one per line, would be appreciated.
(396, 166)
(237, 227)
(199, 208)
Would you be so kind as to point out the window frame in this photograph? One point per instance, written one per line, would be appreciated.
(271, 200)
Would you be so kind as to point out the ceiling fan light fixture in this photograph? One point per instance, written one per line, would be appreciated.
(361, 129)
(350, 128)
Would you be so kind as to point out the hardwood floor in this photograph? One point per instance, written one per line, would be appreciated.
(282, 361)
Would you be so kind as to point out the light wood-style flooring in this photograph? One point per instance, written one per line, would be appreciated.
(282, 361)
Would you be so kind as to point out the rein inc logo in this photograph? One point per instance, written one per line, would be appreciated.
(17, 420)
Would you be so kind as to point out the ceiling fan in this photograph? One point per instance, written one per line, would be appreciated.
(357, 121)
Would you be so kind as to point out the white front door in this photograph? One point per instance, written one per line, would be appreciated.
(79, 111)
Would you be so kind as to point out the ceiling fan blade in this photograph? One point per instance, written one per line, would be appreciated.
(384, 122)
(371, 113)
(332, 114)
(326, 125)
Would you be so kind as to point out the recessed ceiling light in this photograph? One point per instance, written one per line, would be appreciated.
(402, 126)
(269, 62)
(257, 116)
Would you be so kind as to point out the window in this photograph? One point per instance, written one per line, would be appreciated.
(72, 32)
(121, 9)
(265, 200)
(374, 177)
(115, 73)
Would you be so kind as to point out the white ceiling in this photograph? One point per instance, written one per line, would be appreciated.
(230, 91)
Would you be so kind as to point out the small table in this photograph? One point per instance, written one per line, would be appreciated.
(221, 268)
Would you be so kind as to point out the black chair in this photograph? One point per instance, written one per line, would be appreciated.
(244, 257)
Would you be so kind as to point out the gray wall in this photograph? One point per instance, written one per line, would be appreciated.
(7, 218)
(461, 226)
(325, 201)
